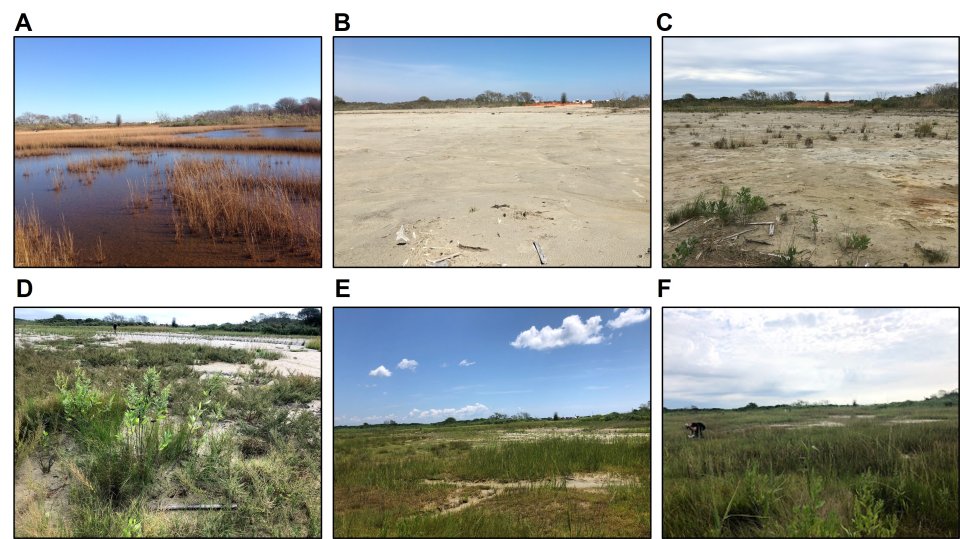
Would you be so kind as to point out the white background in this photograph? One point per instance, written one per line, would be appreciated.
(460, 287)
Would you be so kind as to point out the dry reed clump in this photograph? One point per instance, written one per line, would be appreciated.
(223, 201)
(36, 245)
(154, 137)
(93, 165)
(140, 199)
(37, 152)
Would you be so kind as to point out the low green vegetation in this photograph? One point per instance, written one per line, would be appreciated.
(109, 436)
(682, 252)
(744, 205)
(932, 256)
(852, 246)
(813, 471)
(500, 476)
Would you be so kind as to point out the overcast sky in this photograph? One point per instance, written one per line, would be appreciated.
(848, 68)
(184, 316)
(726, 358)
(425, 365)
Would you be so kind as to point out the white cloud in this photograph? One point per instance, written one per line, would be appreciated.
(629, 318)
(729, 357)
(847, 68)
(381, 371)
(572, 331)
(407, 364)
(466, 411)
(466, 363)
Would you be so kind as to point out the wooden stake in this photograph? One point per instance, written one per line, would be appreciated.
(543, 259)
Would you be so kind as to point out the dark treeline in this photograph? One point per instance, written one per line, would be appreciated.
(641, 413)
(286, 107)
(938, 96)
(942, 397)
(488, 98)
(304, 322)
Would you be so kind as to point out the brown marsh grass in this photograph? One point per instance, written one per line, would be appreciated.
(93, 165)
(140, 199)
(224, 202)
(37, 245)
(28, 143)
(37, 152)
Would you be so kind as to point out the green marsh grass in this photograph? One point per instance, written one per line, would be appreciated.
(751, 476)
(121, 453)
(385, 480)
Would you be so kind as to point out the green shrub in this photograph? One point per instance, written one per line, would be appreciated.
(81, 402)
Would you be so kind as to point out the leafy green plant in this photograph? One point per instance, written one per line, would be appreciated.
(682, 252)
(788, 259)
(856, 243)
(132, 528)
(748, 204)
(81, 402)
(144, 432)
(869, 519)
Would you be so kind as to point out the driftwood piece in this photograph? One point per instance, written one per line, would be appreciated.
(543, 259)
(762, 242)
(471, 247)
(770, 232)
(731, 236)
(671, 229)
(198, 507)
(442, 258)
(762, 223)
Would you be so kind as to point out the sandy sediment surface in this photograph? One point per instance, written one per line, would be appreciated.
(484, 184)
(899, 191)
(296, 359)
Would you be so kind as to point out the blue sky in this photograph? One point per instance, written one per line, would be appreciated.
(424, 365)
(403, 69)
(137, 77)
(848, 68)
(726, 358)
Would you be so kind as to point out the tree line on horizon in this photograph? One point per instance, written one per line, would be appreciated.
(944, 397)
(284, 107)
(936, 96)
(307, 321)
(488, 98)
(640, 413)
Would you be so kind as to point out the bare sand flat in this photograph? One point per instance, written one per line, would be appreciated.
(484, 184)
(899, 191)
(295, 358)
